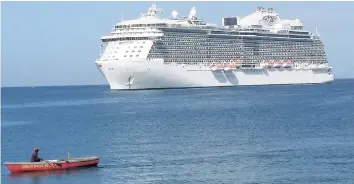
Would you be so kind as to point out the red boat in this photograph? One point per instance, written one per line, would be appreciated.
(47, 165)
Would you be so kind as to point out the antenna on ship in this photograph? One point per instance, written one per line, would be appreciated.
(317, 32)
(192, 13)
(121, 16)
(153, 11)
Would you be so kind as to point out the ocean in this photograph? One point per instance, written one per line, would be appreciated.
(300, 134)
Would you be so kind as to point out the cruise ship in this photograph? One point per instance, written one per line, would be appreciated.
(151, 52)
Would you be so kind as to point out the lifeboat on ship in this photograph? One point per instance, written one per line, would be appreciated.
(49, 165)
(269, 64)
(217, 67)
(287, 64)
(236, 65)
(278, 64)
(316, 66)
(227, 68)
(233, 66)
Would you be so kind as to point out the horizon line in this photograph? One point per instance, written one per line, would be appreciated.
(77, 85)
(68, 85)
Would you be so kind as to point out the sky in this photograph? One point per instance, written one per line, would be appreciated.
(57, 43)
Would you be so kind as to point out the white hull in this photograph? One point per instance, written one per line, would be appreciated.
(154, 74)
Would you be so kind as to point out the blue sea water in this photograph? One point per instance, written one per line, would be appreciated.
(246, 134)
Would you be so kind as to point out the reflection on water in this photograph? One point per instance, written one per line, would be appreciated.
(14, 123)
(39, 176)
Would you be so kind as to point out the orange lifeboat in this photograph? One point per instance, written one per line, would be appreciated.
(47, 165)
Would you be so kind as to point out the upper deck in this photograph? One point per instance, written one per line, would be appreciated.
(262, 21)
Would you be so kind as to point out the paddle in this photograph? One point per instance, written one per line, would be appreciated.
(58, 164)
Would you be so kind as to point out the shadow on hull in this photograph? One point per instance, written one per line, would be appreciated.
(232, 86)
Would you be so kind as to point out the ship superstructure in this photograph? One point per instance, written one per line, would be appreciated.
(259, 49)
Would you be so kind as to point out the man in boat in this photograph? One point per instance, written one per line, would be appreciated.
(35, 157)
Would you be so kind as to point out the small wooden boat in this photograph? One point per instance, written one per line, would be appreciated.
(47, 165)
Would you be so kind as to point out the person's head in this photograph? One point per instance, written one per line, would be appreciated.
(36, 150)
